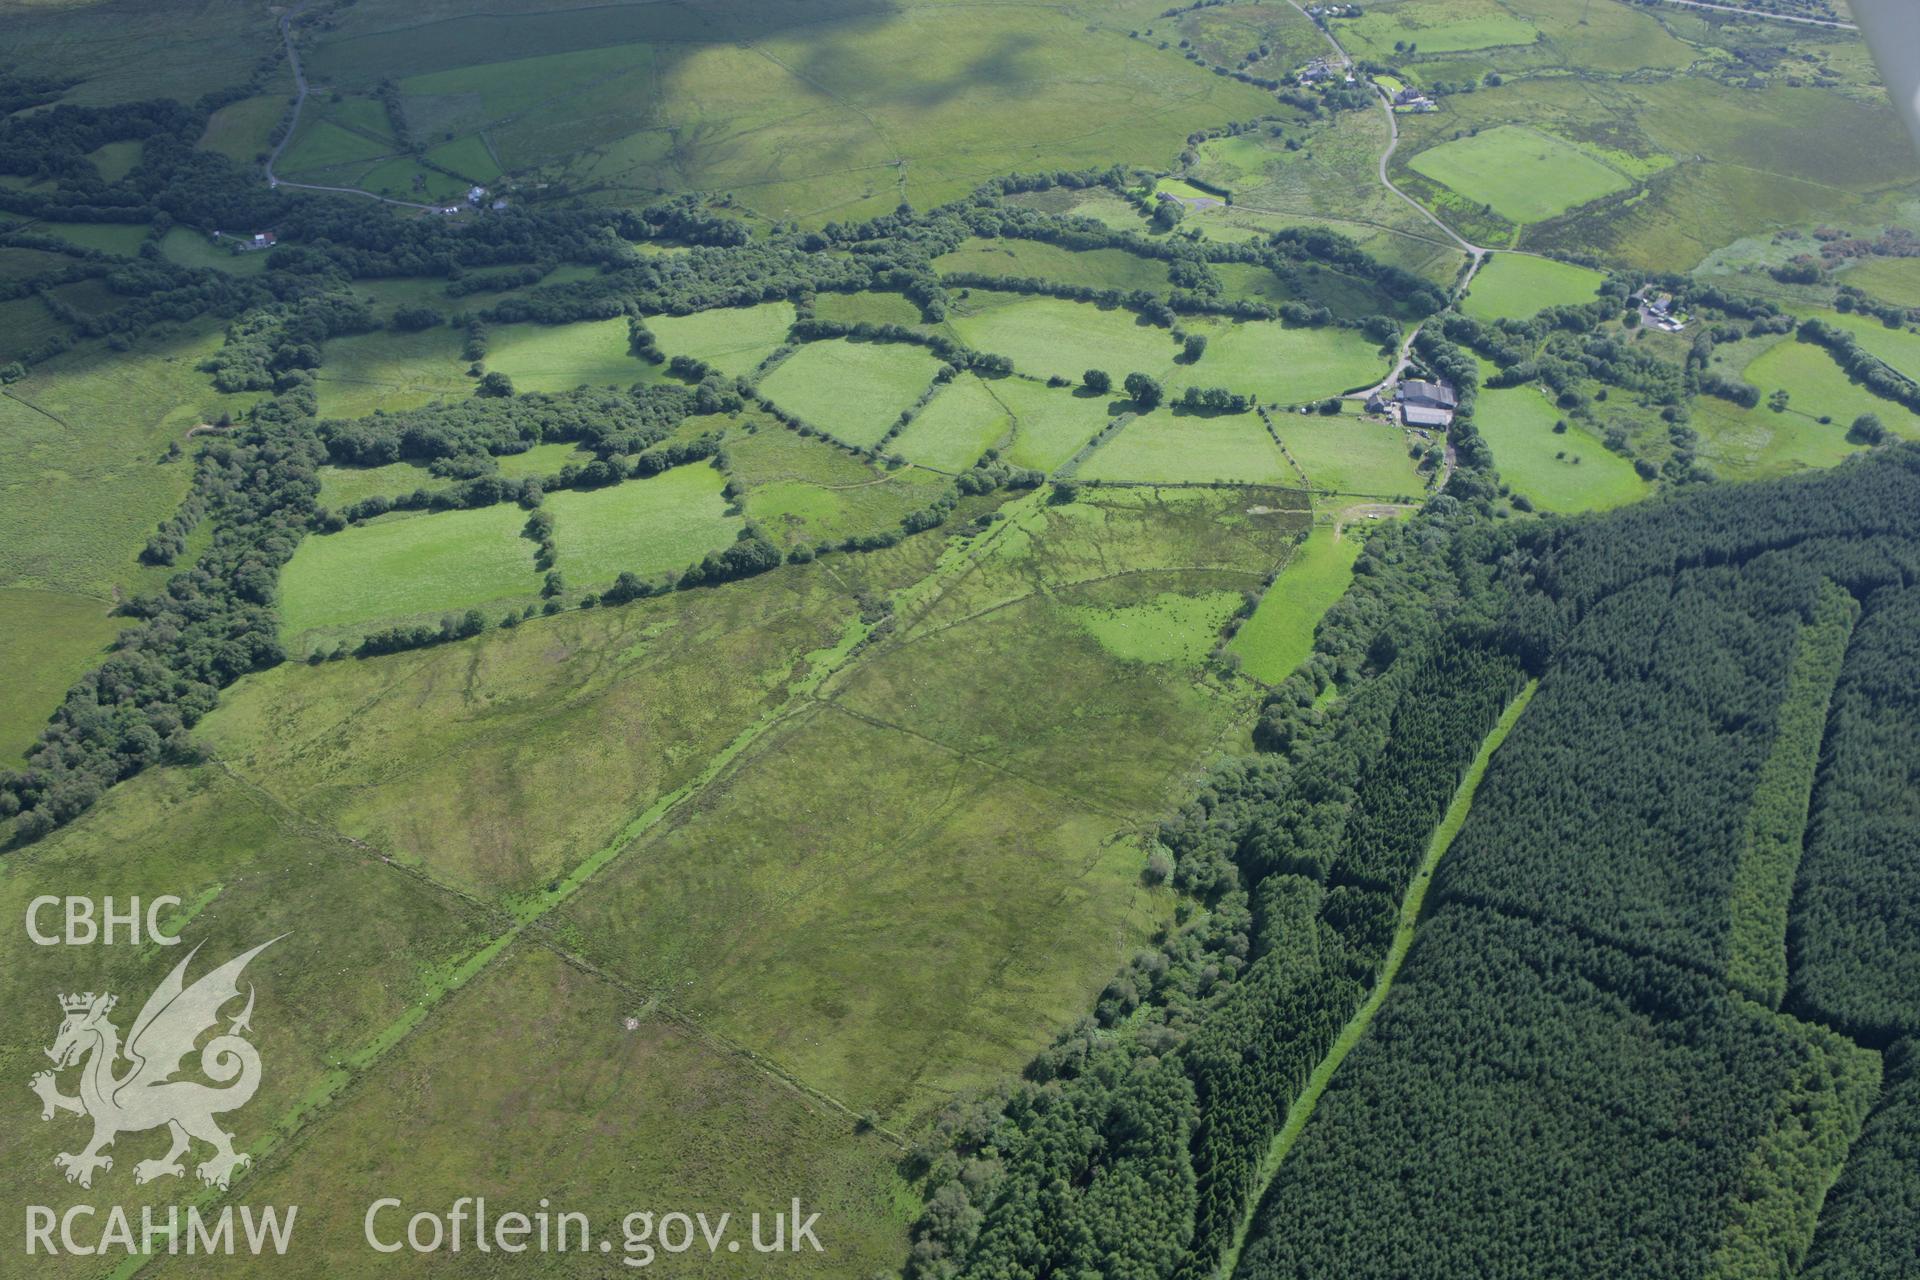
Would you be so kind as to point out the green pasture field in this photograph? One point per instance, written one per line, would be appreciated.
(358, 946)
(498, 764)
(1898, 348)
(1051, 424)
(1721, 163)
(854, 391)
(731, 339)
(1170, 628)
(1173, 447)
(82, 484)
(804, 490)
(1350, 455)
(1518, 285)
(48, 639)
(123, 238)
(1517, 424)
(658, 525)
(957, 426)
(243, 130)
(25, 264)
(1754, 444)
(1278, 364)
(1279, 635)
(1449, 26)
(1094, 268)
(1050, 336)
(391, 370)
(321, 145)
(867, 307)
(25, 323)
(115, 160)
(1895, 280)
(560, 357)
(674, 1118)
(1527, 176)
(444, 562)
(341, 487)
(191, 249)
(1817, 387)
(467, 157)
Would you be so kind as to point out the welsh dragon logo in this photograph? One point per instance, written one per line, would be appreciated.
(147, 1095)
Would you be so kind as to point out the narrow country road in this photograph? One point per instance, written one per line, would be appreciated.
(1476, 255)
(1834, 24)
(300, 101)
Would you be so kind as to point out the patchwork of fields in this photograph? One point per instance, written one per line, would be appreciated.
(723, 685)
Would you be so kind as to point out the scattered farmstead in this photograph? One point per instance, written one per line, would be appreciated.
(1427, 404)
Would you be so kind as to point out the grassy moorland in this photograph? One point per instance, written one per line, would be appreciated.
(48, 639)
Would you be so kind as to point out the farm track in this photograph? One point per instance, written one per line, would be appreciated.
(1831, 23)
(293, 124)
(525, 921)
(1410, 907)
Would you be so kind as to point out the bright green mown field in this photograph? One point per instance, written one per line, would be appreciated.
(1278, 364)
(867, 307)
(958, 425)
(1051, 424)
(1527, 176)
(732, 339)
(1279, 635)
(407, 567)
(653, 526)
(560, 357)
(1349, 455)
(854, 391)
(1899, 348)
(1570, 471)
(1172, 447)
(1817, 386)
(1517, 285)
(1048, 337)
(1036, 259)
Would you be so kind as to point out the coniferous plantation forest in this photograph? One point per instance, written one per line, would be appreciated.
(894, 638)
